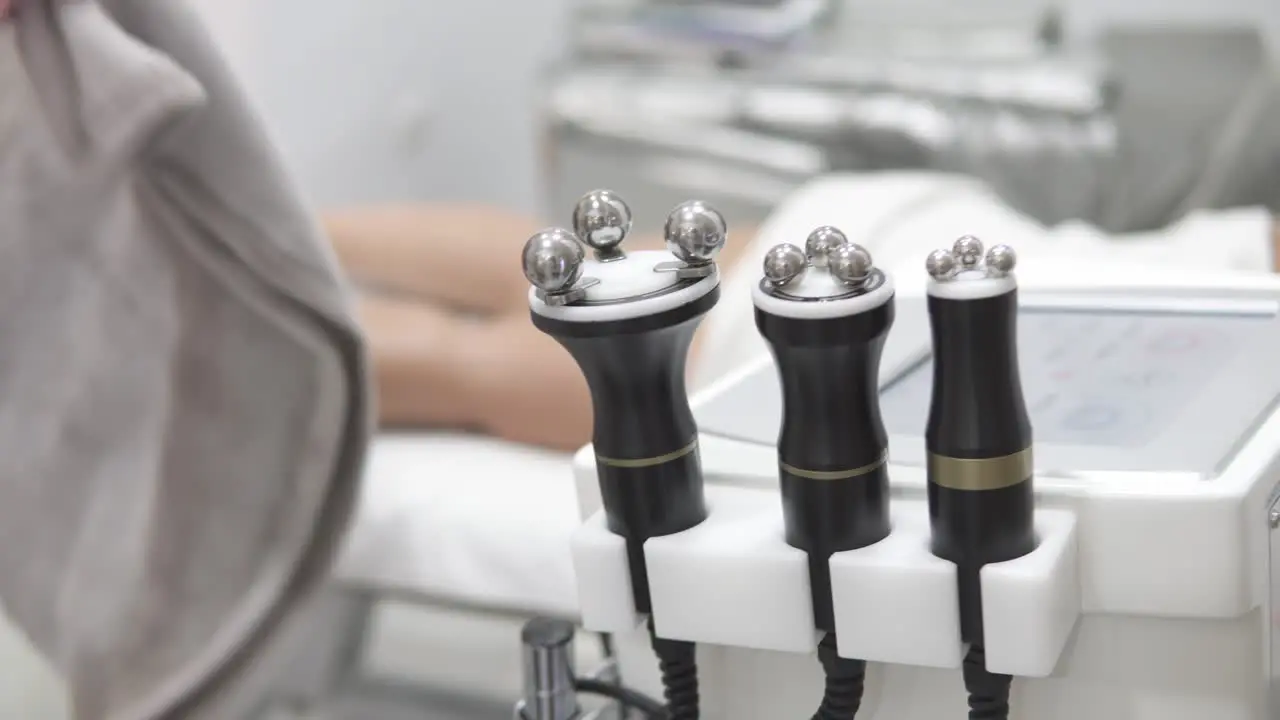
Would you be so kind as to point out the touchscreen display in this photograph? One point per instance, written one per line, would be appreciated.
(1102, 379)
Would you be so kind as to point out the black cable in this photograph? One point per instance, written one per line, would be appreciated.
(678, 663)
(606, 646)
(988, 691)
(846, 680)
(626, 696)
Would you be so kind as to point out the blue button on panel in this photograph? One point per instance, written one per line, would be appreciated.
(1092, 417)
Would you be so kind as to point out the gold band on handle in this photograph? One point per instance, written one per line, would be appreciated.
(651, 461)
(836, 474)
(981, 474)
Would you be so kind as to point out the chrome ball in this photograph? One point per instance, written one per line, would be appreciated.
(850, 264)
(941, 265)
(784, 263)
(822, 242)
(553, 260)
(601, 220)
(968, 250)
(695, 232)
(1001, 259)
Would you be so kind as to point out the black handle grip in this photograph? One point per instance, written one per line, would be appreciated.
(832, 444)
(977, 410)
(981, 500)
(829, 371)
(645, 438)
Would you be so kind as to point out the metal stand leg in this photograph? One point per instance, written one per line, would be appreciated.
(550, 675)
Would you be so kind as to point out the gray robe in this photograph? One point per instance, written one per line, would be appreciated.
(183, 392)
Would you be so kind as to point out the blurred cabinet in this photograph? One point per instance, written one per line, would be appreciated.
(668, 110)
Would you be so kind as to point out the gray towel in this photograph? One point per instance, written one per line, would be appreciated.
(183, 400)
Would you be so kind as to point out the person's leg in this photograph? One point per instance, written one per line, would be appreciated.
(495, 375)
(465, 257)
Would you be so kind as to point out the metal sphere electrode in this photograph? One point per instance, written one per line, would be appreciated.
(784, 263)
(822, 242)
(695, 232)
(968, 250)
(850, 264)
(1001, 259)
(553, 260)
(941, 265)
(602, 220)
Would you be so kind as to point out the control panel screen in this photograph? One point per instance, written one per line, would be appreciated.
(1153, 385)
(1100, 379)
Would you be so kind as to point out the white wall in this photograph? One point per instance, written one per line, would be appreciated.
(398, 99)
(436, 99)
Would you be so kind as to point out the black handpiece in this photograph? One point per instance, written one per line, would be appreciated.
(981, 503)
(825, 313)
(629, 323)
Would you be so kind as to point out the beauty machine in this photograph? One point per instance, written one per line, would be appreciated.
(975, 499)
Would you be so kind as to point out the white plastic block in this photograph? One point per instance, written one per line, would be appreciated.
(1030, 605)
(604, 578)
(733, 580)
(895, 602)
(586, 479)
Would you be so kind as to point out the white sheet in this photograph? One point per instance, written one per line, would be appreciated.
(467, 519)
(485, 522)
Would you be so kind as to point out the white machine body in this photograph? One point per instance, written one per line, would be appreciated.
(1153, 590)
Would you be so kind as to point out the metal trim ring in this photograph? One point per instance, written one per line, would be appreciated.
(836, 474)
(649, 461)
(872, 283)
(980, 473)
(678, 285)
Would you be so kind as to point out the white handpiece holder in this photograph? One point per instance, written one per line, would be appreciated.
(1175, 596)
(733, 581)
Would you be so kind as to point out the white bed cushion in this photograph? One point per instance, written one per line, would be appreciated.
(466, 519)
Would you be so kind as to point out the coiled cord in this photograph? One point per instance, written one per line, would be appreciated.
(846, 681)
(988, 692)
(678, 663)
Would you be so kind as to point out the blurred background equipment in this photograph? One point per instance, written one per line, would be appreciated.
(403, 100)
(1127, 133)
